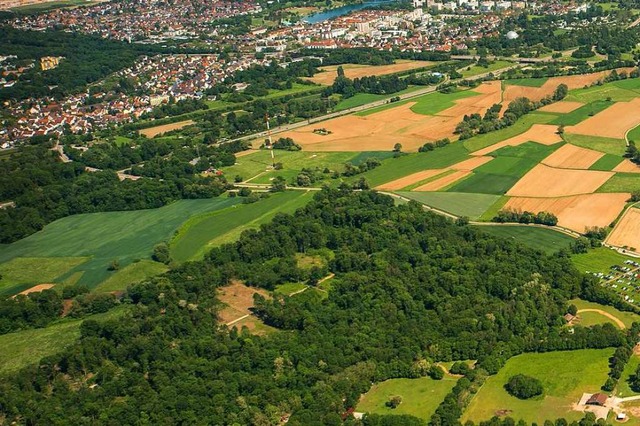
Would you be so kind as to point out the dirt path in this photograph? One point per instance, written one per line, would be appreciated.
(606, 314)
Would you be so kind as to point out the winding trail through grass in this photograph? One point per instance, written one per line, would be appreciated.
(613, 318)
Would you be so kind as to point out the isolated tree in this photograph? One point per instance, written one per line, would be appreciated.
(397, 147)
(278, 184)
(394, 401)
(114, 265)
(560, 130)
(523, 387)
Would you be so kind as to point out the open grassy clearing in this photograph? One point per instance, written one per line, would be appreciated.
(564, 376)
(599, 259)
(132, 274)
(365, 98)
(21, 273)
(420, 397)
(597, 143)
(576, 116)
(259, 163)
(622, 182)
(470, 205)
(395, 168)
(522, 125)
(22, 348)
(289, 288)
(476, 70)
(546, 240)
(527, 82)
(628, 84)
(626, 317)
(436, 102)
(607, 162)
(608, 90)
(634, 135)
(124, 236)
(588, 319)
(623, 389)
(202, 232)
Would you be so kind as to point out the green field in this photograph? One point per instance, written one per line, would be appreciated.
(365, 98)
(420, 397)
(132, 274)
(634, 135)
(606, 163)
(622, 182)
(469, 205)
(589, 319)
(546, 240)
(627, 318)
(485, 183)
(528, 82)
(493, 210)
(628, 84)
(623, 389)
(599, 259)
(522, 125)
(606, 145)
(104, 237)
(256, 167)
(532, 150)
(616, 91)
(25, 347)
(395, 168)
(565, 376)
(436, 102)
(20, 273)
(364, 156)
(204, 231)
(476, 70)
(577, 115)
(289, 288)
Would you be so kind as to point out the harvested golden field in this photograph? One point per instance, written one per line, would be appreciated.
(37, 288)
(158, 130)
(444, 181)
(541, 133)
(471, 163)
(382, 130)
(572, 157)
(575, 212)
(537, 93)
(548, 182)
(410, 179)
(561, 107)
(327, 75)
(626, 166)
(627, 231)
(613, 122)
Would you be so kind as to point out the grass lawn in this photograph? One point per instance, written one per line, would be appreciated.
(202, 232)
(289, 288)
(623, 389)
(122, 140)
(565, 376)
(395, 168)
(626, 317)
(546, 240)
(22, 348)
(528, 82)
(588, 319)
(420, 397)
(475, 69)
(436, 102)
(576, 116)
(522, 125)
(124, 236)
(258, 163)
(132, 274)
(634, 135)
(598, 93)
(21, 273)
(597, 143)
(599, 259)
(606, 163)
(622, 182)
(470, 205)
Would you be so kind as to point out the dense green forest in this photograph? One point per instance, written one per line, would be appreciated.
(411, 288)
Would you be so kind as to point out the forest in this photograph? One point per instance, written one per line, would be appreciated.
(411, 288)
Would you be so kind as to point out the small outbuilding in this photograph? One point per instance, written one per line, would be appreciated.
(598, 399)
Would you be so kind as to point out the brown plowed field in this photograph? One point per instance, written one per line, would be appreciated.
(410, 180)
(444, 181)
(572, 81)
(627, 166)
(627, 232)
(575, 212)
(562, 107)
(329, 74)
(548, 182)
(613, 122)
(572, 157)
(382, 130)
(540, 133)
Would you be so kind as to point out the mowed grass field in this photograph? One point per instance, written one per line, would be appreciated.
(429, 104)
(205, 231)
(20, 273)
(132, 274)
(420, 397)
(611, 146)
(627, 318)
(546, 240)
(459, 204)
(104, 237)
(622, 182)
(527, 82)
(599, 259)
(606, 163)
(22, 348)
(565, 376)
(618, 91)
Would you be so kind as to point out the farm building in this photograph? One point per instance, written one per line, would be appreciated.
(597, 399)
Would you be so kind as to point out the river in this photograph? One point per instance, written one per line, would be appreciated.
(339, 11)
